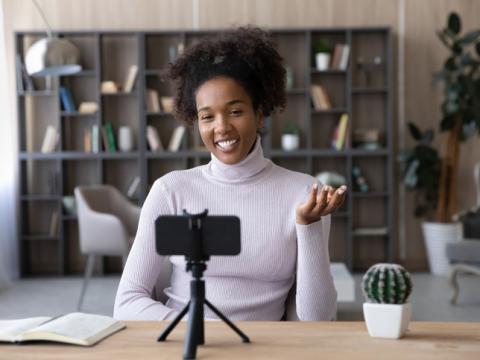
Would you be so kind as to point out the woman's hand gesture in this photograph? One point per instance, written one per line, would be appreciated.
(318, 205)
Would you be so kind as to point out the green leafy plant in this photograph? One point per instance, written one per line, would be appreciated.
(321, 46)
(421, 171)
(387, 284)
(460, 108)
(291, 128)
(435, 178)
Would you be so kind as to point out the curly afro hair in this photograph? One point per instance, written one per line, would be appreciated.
(247, 55)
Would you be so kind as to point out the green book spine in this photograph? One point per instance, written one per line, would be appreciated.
(111, 137)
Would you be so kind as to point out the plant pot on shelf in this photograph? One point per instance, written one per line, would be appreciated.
(290, 142)
(387, 320)
(437, 236)
(322, 61)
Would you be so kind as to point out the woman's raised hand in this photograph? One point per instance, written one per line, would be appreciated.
(320, 204)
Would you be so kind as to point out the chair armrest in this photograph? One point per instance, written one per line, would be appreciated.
(103, 234)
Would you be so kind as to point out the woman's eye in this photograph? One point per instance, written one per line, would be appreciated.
(236, 112)
(205, 117)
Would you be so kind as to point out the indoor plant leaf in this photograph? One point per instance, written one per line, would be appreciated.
(454, 23)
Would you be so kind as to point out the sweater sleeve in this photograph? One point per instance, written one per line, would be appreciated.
(133, 300)
(316, 297)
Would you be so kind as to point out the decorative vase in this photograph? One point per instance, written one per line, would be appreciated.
(125, 138)
(322, 61)
(290, 142)
(387, 320)
(437, 236)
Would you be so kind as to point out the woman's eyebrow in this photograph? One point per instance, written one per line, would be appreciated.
(231, 102)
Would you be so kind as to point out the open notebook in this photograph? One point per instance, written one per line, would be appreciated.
(75, 328)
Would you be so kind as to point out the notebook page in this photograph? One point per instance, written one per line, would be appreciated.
(77, 325)
(10, 329)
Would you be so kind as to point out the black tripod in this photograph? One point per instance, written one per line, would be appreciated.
(196, 264)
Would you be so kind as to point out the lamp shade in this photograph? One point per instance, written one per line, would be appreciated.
(52, 56)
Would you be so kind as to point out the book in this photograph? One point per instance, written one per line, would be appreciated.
(75, 328)
(151, 99)
(320, 98)
(131, 77)
(105, 139)
(343, 64)
(337, 55)
(87, 141)
(95, 139)
(342, 132)
(112, 146)
(176, 139)
(66, 99)
(50, 139)
(133, 187)
(153, 139)
(54, 221)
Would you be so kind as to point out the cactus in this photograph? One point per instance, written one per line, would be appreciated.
(386, 284)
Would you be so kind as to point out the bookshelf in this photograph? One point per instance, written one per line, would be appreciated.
(362, 230)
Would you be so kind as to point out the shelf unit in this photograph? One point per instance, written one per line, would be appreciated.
(47, 178)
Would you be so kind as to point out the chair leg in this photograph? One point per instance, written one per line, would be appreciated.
(452, 280)
(88, 273)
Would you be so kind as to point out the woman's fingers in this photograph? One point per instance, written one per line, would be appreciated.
(312, 199)
(336, 200)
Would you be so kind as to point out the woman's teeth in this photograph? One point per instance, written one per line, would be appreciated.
(226, 144)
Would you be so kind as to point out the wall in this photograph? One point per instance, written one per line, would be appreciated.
(413, 24)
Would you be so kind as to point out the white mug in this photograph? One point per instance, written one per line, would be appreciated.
(125, 138)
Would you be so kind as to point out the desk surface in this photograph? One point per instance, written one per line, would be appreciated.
(274, 340)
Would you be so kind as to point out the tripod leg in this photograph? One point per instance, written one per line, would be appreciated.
(244, 337)
(195, 333)
(171, 326)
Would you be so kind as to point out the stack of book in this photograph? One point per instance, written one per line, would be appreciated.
(340, 134)
(341, 54)
(91, 140)
(320, 98)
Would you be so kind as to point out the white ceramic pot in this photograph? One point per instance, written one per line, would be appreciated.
(322, 61)
(125, 138)
(290, 142)
(437, 236)
(387, 320)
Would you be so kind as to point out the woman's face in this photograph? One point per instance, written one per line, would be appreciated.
(227, 122)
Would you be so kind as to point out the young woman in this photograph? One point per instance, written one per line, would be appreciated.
(229, 85)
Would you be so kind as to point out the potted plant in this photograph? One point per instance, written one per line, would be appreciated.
(290, 136)
(386, 288)
(437, 177)
(322, 53)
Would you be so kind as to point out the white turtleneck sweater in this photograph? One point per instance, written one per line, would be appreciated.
(276, 251)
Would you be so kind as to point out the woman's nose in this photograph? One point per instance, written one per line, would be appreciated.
(222, 124)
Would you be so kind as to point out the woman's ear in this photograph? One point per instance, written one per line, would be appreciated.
(260, 117)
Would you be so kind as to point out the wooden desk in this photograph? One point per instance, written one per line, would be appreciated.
(270, 340)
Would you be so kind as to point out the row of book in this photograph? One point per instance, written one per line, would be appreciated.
(340, 56)
(320, 98)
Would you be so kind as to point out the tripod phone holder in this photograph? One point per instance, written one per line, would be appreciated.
(197, 237)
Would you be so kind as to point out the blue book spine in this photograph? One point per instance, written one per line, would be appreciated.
(66, 98)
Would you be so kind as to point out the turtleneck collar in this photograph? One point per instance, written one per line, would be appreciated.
(241, 171)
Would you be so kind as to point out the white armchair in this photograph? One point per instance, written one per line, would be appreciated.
(107, 225)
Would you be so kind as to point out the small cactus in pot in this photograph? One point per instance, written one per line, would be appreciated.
(386, 288)
(387, 284)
